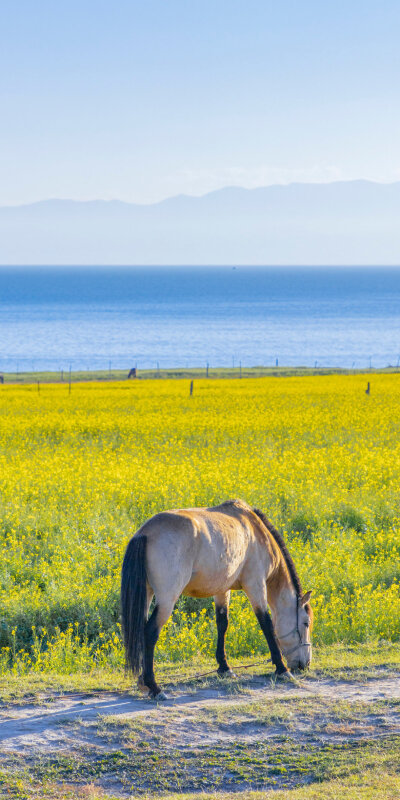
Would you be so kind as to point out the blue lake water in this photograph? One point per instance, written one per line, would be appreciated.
(89, 317)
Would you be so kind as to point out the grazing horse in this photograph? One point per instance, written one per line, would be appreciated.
(204, 552)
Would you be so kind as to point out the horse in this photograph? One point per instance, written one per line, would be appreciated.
(207, 552)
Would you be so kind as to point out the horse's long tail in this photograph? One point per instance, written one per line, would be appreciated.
(133, 602)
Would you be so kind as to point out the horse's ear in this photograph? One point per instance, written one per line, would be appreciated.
(305, 598)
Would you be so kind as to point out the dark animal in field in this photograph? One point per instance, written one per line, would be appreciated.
(205, 552)
(132, 373)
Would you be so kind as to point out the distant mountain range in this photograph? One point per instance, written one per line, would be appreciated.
(352, 222)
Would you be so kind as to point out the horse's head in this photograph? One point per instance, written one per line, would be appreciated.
(294, 639)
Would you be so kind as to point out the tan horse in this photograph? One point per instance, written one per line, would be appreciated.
(204, 552)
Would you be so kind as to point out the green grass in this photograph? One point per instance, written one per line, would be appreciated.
(157, 769)
(363, 661)
(143, 761)
(370, 786)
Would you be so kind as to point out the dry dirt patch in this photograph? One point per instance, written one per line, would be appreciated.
(56, 722)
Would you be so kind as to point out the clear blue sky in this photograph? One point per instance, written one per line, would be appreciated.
(142, 100)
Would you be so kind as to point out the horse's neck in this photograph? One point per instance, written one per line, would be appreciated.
(281, 592)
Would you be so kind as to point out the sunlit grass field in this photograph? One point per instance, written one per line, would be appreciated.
(80, 472)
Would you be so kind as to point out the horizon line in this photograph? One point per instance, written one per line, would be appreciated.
(200, 266)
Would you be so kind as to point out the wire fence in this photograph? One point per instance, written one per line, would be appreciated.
(108, 373)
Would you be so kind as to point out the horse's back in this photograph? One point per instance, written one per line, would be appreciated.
(201, 549)
(183, 528)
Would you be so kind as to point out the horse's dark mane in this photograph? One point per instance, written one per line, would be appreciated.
(285, 552)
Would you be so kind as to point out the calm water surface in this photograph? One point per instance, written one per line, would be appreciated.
(88, 317)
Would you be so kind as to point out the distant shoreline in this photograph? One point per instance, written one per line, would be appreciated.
(177, 373)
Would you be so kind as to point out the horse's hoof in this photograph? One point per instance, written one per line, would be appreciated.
(159, 697)
(285, 677)
(227, 673)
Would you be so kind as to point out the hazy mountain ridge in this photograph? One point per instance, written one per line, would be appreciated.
(354, 222)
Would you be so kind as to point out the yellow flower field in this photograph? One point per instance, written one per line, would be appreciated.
(80, 472)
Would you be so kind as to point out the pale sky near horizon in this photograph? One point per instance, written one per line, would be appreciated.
(143, 100)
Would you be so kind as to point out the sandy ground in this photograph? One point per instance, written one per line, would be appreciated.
(64, 723)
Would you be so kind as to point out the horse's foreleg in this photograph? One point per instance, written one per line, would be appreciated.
(222, 611)
(267, 628)
(257, 595)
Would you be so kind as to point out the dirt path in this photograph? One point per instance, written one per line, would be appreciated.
(69, 722)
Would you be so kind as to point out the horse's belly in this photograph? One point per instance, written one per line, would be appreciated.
(213, 582)
(209, 591)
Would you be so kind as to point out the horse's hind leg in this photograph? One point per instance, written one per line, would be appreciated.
(151, 634)
(150, 595)
(221, 611)
(158, 618)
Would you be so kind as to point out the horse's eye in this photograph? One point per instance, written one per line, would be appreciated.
(307, 624)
